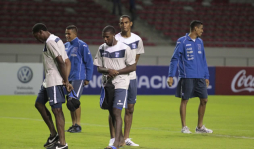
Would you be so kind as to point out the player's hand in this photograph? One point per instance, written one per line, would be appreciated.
(207, 82)
(86, 82)
(170, 81)
(69, 87)
(112, 73)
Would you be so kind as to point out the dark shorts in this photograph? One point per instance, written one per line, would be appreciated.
(78, 86)
(190, 87)
(132, 92)
(54, 94)
(120, 99)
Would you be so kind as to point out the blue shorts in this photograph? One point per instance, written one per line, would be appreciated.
(132, 92)
(78, 86)
(54, 94)
(120, 99)
(191, 87)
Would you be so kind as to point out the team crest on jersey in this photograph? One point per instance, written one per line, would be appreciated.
(117, 54)
(199, 46)
(134, 46)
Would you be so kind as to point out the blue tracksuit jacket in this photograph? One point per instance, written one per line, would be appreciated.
(81, 60)
(189, 57)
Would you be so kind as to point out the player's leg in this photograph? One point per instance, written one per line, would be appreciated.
(57, 97)
(131, 100)
(118, 127)
(184, 91)
(201, 92)
(201, 111)
(41, 100)
(111, 129)
(119, 103)
(183, 106)
(60, 122)
(128, 120)
(78, 86)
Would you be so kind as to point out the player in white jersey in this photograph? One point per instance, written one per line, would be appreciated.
(56, 66)
(136, 45)
(116, 60)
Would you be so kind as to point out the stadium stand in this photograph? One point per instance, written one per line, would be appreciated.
(18, 17)
(226, 24)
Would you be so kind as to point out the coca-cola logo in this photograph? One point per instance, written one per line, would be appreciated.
(241, 82)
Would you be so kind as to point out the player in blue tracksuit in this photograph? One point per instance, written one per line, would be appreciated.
(81, 69)
(189, 57)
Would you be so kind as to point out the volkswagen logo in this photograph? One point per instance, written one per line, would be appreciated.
(25, 74)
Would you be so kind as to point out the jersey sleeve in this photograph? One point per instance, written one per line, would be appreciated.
(64, 55)
(53, 49)
(140, 49)
(175, 59)
(130, 56)
(88, 61)
(98, 59)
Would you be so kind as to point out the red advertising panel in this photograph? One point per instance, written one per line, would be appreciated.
(234, 81)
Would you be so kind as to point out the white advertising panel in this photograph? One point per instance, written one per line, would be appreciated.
(21, 78)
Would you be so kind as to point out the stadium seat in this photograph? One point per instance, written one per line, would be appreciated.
(222, 20)
(19, 16)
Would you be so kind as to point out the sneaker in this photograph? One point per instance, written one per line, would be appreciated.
(185, 129)
(70, 129)
(203, 129)
(111, 142)
(75, 129)
(130, 143)
(58, 146)
(51, 141)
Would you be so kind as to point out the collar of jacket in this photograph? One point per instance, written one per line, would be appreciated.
(74, 41)
(188, 37)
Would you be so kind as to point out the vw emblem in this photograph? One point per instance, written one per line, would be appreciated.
(25, 74)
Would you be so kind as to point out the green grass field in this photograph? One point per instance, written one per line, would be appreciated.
(156, 124)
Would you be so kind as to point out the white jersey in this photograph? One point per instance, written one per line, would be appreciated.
(116, 57)
(136, 45)
(54, 47)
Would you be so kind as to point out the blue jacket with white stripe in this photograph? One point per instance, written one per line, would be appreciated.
(189, 57)
(81, 60)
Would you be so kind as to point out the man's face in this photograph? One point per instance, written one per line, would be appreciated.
(70, 34)
(39, 36)
(125, 24)
(108, 38)
(199, 30)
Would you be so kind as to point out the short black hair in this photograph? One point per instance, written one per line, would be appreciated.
(109, 28)
(39, 26)
(125, 16)
(195, 23)
(73, 27)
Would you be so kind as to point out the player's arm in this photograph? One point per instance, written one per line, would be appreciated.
(67, 62)
(88, 61)
(54, 50)
(174, 60)
(98, 62)
(68, 66)
(63, 72)
(137, 58)
(206, 67)
(110, 72)
(127, 69)
(140, 50)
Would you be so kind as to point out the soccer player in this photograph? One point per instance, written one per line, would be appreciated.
(115, 59)
(136, 45)
(56, 65)
(81, 69)
(189, 56)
